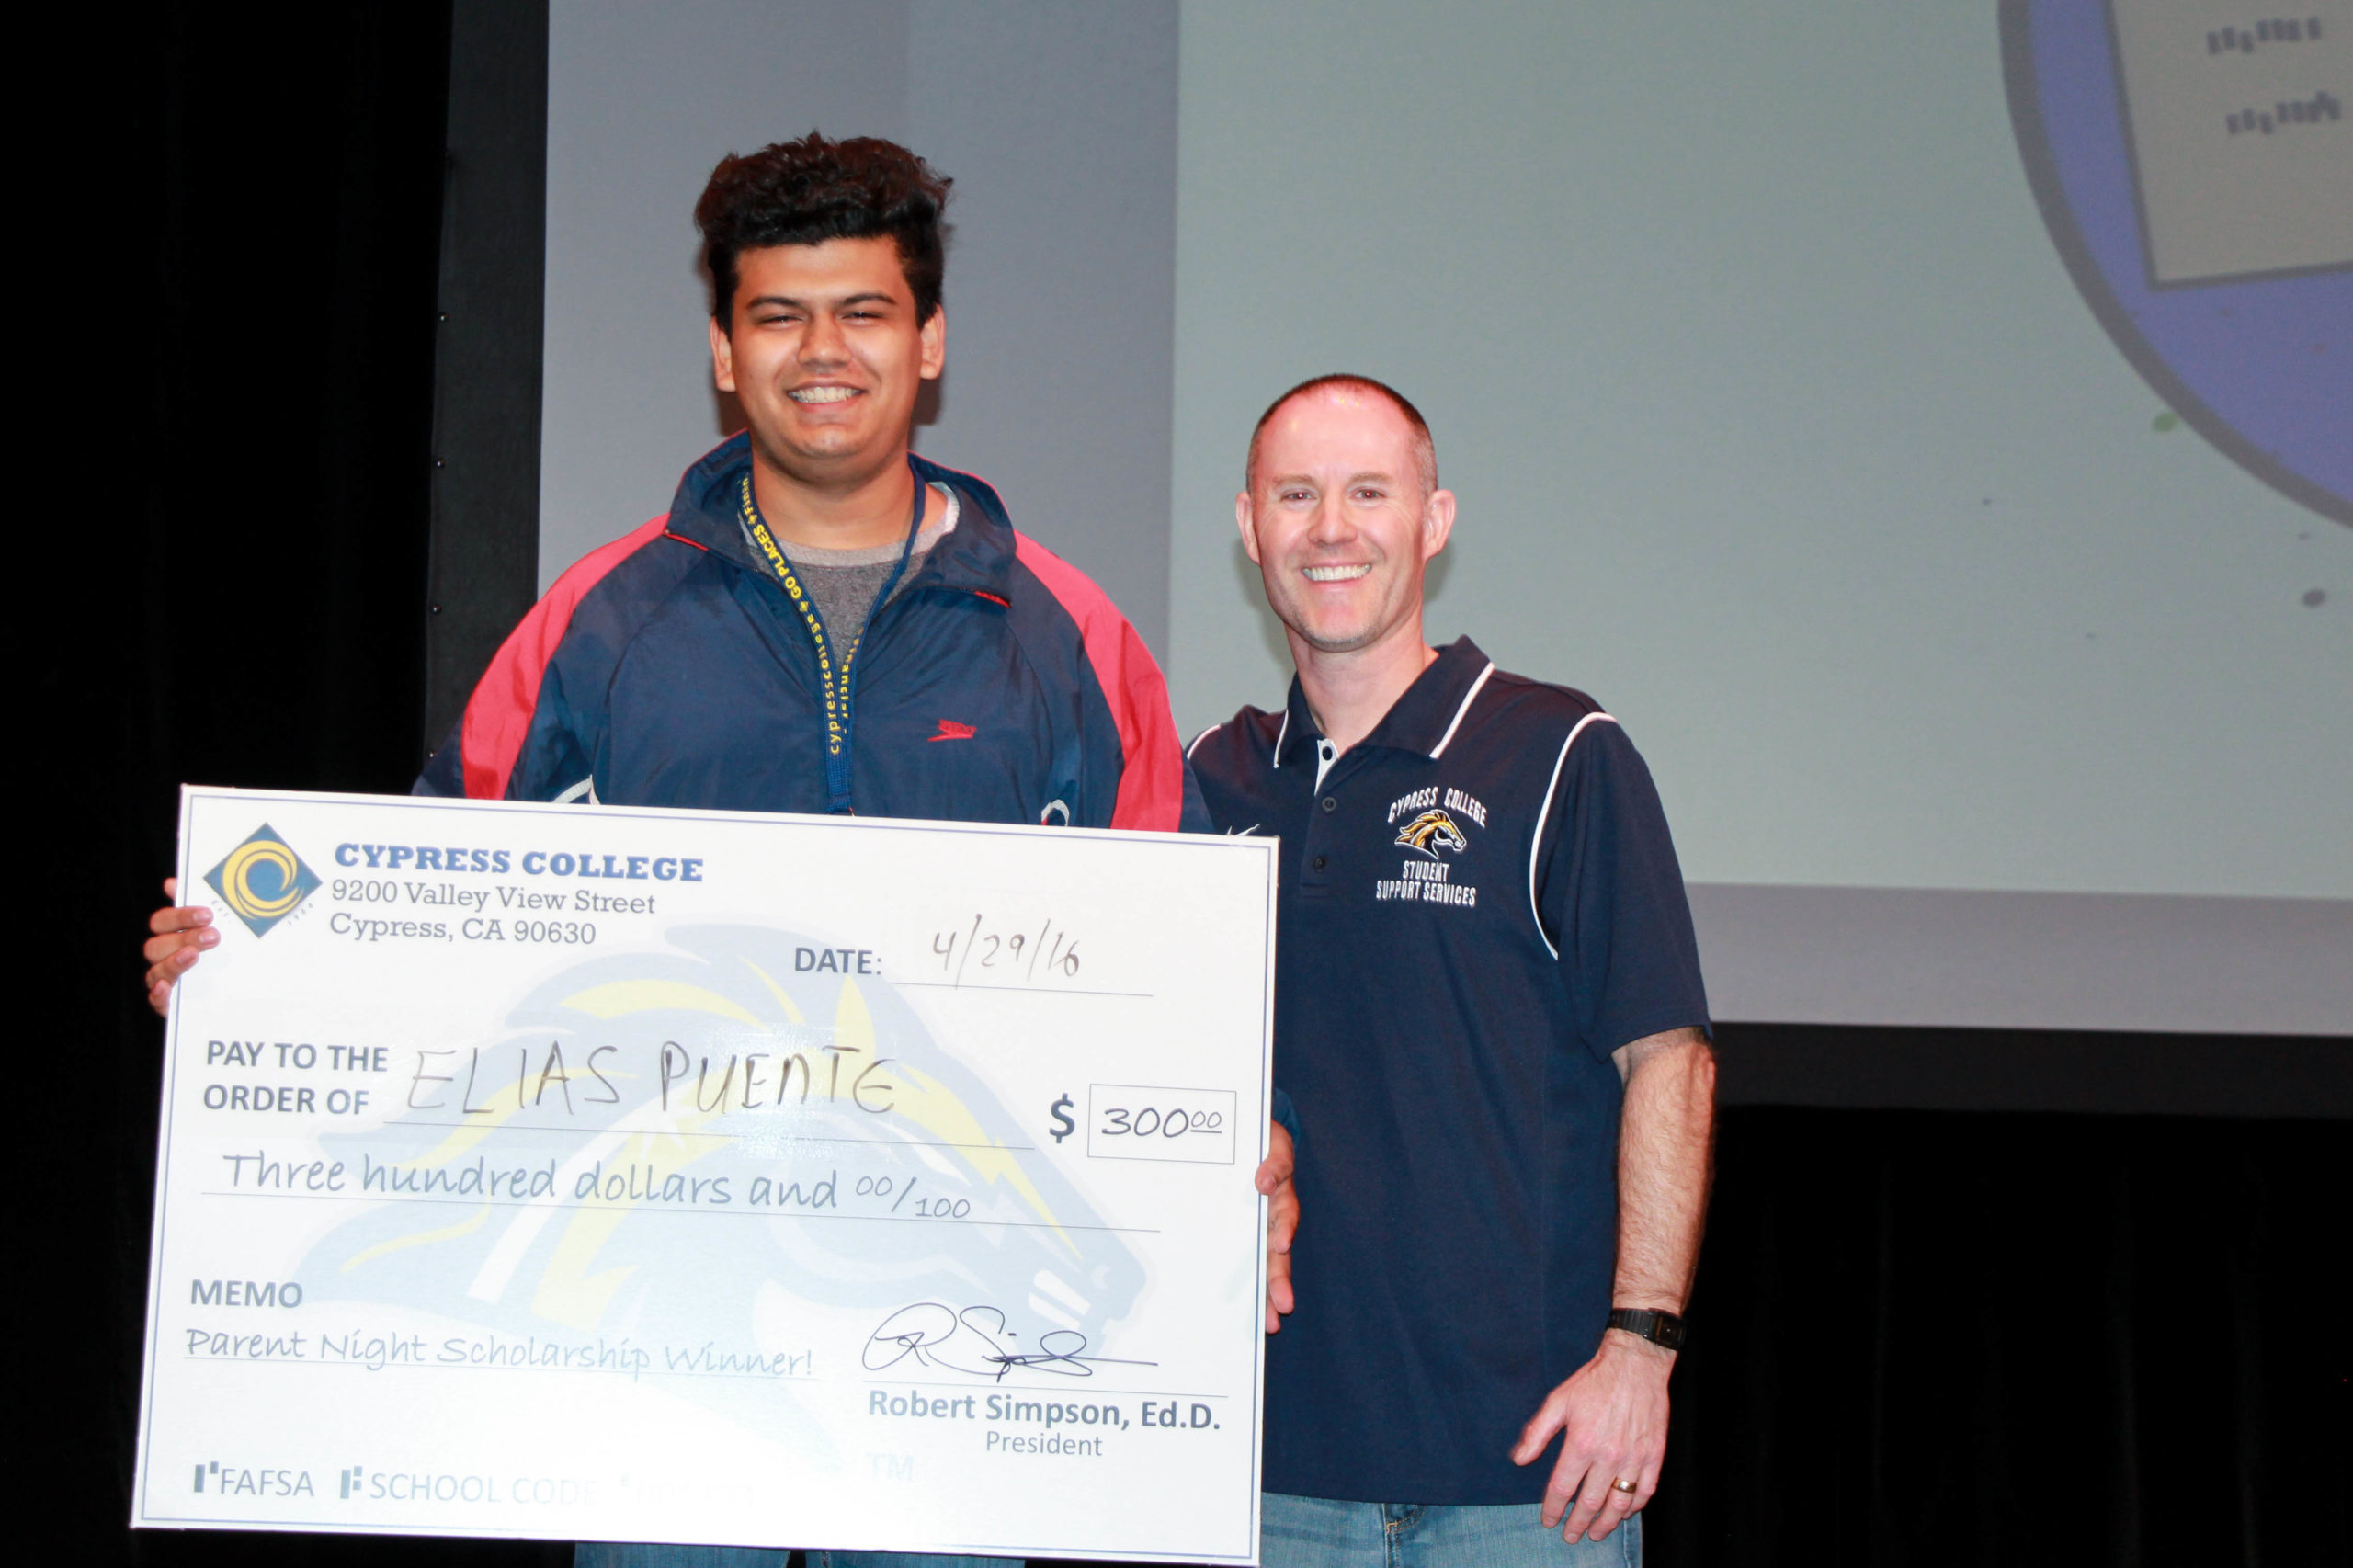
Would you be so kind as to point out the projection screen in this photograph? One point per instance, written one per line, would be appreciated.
(1929, 429)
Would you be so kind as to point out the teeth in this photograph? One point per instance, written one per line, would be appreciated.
(1336, 574)
(822, 394)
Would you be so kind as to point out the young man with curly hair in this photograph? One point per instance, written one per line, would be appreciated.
(823, 621)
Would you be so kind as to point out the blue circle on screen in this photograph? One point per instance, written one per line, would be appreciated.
(2261, 366)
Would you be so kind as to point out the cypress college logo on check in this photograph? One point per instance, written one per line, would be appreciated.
(589, 1173)
(262, 880)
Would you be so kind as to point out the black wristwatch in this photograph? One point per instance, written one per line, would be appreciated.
(1662, 1329)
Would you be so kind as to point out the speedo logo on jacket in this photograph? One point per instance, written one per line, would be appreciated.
(669, 668)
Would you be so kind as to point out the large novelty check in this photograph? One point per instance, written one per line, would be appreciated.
(590, 1173)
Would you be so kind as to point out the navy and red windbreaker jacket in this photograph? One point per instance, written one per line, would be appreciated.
(669, 669)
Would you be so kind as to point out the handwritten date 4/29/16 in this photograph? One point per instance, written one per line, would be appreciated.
(983, 952)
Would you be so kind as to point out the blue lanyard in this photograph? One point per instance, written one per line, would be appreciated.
(836, 675)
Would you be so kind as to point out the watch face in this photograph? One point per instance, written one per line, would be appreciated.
(2194, 172)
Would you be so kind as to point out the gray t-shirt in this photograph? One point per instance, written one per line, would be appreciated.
(844, 582)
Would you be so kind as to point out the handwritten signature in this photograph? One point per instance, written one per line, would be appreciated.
(977, 1342)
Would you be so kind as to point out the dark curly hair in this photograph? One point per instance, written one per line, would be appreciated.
(811, 190)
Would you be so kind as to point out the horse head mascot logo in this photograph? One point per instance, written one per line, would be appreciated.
(1431, 831)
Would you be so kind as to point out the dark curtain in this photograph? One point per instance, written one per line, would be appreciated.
(228, 551)
(1919, 1338)
(1955, 1337)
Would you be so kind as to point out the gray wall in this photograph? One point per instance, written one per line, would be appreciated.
(1057, 123)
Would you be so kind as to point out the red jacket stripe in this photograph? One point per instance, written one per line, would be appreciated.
(1152, 767)
(498, 715)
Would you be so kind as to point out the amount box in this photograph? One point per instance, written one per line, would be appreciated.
(1129, 1121)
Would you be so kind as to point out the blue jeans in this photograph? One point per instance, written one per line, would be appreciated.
(653, 1554)
(1312, 1532)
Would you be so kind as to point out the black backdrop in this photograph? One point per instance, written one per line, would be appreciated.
(1921, 1336)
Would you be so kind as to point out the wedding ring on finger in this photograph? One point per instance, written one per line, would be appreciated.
(1627, 1487)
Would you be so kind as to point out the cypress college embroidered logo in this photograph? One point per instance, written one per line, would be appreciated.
(262, 879)
(1431, 831)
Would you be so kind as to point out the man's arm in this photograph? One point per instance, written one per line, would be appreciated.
(1613, 1408)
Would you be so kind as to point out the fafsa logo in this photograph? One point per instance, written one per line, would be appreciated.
(262, 880)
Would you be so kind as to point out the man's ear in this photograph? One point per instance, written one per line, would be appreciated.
(1437, 522)
(723, 357)
(935, 344)
(1246, 520)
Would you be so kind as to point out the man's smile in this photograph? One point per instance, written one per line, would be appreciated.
(822, 394)
(1336, 574)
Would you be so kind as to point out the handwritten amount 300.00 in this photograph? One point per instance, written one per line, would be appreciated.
(1150, 1121)
(1135, 1121)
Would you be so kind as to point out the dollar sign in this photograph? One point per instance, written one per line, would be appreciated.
(1062, 1116)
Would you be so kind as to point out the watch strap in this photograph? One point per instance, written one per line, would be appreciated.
(1662, 1329)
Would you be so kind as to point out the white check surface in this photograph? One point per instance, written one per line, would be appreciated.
(609, 1173)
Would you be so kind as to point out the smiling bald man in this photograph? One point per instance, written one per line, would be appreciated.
(1489, 1016)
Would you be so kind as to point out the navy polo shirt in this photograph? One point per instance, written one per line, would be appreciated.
(1479, 904)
